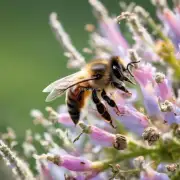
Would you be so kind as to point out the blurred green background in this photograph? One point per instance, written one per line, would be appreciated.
(31, 57)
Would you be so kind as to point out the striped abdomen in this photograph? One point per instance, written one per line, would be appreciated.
(76, 97)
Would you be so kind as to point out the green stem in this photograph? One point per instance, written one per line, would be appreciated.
(161, 152)
(119, 172)
(102, 165)
(130, 171)
(176, 176)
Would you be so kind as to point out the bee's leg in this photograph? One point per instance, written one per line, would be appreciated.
(110, 101)
(101, 108)
(121, 87)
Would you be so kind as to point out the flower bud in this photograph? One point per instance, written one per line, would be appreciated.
(172, 167)
(54, 159)
(69, 177)
(167, 106)
(151, 135)
(120, 142)
(159, 77)
(138, 162)
(35, 113)
(168, 111)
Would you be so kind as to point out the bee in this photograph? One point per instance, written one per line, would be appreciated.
(93, 80)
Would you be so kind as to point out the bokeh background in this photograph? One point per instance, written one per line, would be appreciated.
(31, 57)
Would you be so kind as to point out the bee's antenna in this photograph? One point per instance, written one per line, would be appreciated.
(131, 64)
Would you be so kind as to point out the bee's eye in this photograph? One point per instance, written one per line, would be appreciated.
(114, 67)
(117, 71)
(98, 76)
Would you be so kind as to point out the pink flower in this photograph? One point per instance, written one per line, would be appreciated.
(170, 117)
(75, 163)
(132, 119)
(110, 30)
(178, 52)
(150, 100)
(70, 162)
(124, 98)
(102, 137)
(177, 9)
(172, 20)
(65, 119)
(45, 173)
(143, 74)
(56, 171)
(164, 91)
(150, 174)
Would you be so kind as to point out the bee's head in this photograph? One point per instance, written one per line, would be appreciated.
(118, 70)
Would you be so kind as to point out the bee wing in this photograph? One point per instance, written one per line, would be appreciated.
(62, 82)
(59, 87)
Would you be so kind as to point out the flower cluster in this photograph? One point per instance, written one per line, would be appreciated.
(145, 144)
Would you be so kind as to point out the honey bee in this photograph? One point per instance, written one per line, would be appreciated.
(94, 79)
